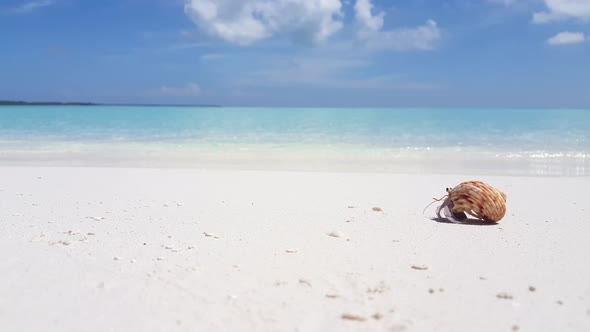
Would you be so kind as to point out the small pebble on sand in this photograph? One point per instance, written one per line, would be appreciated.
(292, 251)
(332, 296)
(116, 258)
(504, 296)
(210, 235)
(305, 282)
(377, 209)
(379, 289)
(353, 317)
(532, 289)
(335, 234)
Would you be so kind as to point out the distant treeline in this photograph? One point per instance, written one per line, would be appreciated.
(53, 103)
(42, 103)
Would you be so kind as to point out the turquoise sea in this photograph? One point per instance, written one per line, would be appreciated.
(497, 141)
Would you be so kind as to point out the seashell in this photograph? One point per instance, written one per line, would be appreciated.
(476, 199)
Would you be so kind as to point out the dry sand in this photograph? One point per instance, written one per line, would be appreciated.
(107, 249)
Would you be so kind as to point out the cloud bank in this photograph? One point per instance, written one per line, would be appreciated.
(245, 22)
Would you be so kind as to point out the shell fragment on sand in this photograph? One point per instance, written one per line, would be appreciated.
(353, 317)
(420, 267)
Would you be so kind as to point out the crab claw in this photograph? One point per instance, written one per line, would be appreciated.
(447, 210)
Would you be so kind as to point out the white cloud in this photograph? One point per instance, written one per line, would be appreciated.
(558, 10)
(189, 90)
(422, 37)
(364, 16)
(29, 7)
(244, 22)
(566, 38)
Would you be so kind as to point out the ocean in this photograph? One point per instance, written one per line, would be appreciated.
(549, 142)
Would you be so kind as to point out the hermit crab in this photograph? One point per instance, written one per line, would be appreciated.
(475, 198)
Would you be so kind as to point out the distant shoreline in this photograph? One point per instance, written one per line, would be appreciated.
(52, 103)
(43, 103)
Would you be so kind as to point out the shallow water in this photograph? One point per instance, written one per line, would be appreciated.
(503, 141)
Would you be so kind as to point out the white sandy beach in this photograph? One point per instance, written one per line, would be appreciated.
(129, 249)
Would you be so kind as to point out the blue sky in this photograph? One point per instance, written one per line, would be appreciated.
(423, 53)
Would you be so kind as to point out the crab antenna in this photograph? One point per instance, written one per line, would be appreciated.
(438, 199)
(434, 201)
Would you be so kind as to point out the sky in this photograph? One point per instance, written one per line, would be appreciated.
(292, 53)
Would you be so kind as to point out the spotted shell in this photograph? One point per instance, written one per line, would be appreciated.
(479, 200)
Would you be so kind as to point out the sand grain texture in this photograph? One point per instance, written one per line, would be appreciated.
(169, 275)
